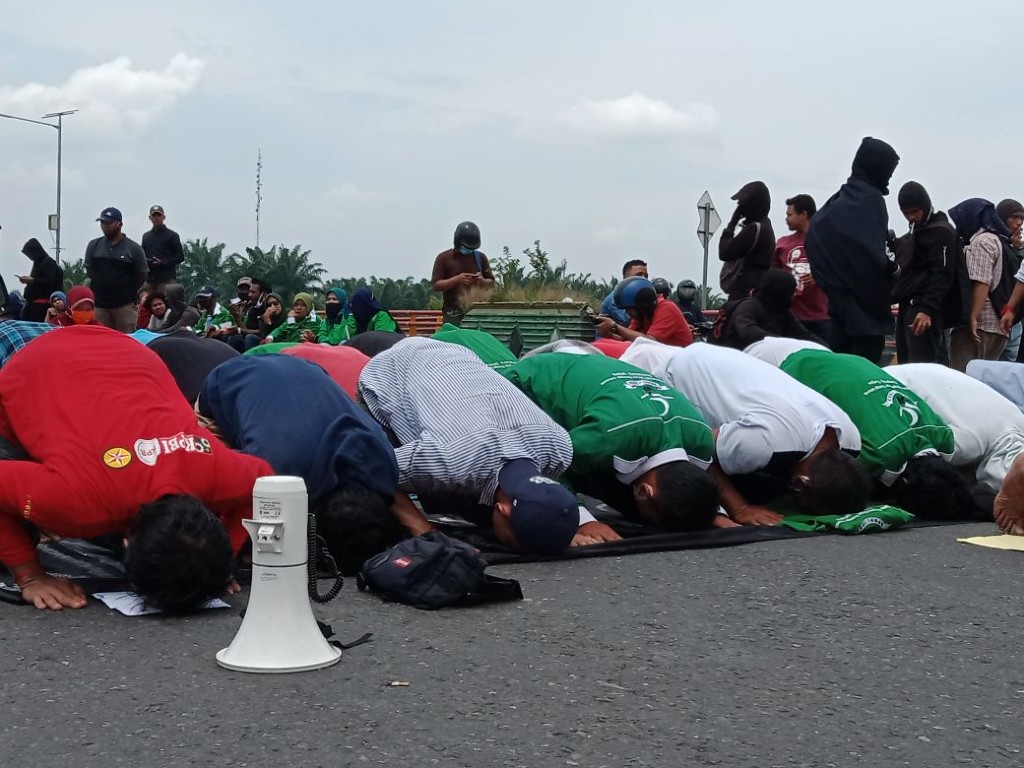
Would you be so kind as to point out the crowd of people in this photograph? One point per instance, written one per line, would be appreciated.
(178, 407)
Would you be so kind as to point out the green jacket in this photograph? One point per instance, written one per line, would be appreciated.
(219, 316)
(895, 423)
(287, 332)
(620, 419)
(486, 347)
(381, 321)
(336, 333)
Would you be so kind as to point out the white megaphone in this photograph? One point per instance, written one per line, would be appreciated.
(278, 633)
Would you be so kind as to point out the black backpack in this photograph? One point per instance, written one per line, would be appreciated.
(433, 571)
(717, 333)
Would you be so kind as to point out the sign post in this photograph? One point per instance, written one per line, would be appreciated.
(709, 223)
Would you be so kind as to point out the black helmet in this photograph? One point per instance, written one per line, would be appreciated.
(684, 286)
(662, 286)
(467, 234)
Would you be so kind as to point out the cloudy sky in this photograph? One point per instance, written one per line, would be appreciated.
(594, 127)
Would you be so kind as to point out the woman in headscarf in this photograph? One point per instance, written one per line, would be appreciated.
(58, 308)
(339, 325)
(177, 314)
(370, 314)
(81, 307)
(301, 317)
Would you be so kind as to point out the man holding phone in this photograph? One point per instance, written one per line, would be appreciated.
(460, 269)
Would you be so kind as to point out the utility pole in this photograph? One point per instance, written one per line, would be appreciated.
(259, 192)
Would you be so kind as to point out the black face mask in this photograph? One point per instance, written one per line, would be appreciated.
(333, 311)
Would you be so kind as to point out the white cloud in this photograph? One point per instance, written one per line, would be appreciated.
(640, 115)
(111, 95)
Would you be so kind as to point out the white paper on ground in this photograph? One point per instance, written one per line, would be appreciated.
(132, 605)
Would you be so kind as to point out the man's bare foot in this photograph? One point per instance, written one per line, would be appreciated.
(1008, 508)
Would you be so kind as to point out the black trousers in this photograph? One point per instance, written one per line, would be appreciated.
(929, 347)
(869, 347)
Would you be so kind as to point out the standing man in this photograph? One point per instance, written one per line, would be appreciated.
(924, 256)
(459, 269)
(846, 247)
(810, 304)
(117, 267)
(163, 251)
(979, 225)
(45, 278)
(747, 255)
(632, 268)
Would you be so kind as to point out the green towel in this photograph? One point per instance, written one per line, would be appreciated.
(881, 517)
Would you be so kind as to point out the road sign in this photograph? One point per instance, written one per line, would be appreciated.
(710, 221)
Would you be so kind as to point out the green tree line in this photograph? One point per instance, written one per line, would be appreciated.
(531, 276)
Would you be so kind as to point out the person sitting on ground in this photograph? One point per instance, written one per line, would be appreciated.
(338, 325)
(156, 306)
(15, 334)
(177, 314)
(686, 300)
(629, 430)
(767, 313)
(650, 315)
(58, 308)
(144, 315)
(370, 314)
(249, 334)
(495, 354)
(189, 358)
(152, 473)
(905, 445)
(273, 317)
(81, 307)
(772, 433)
(215, 321)
(471, 444)
(988, 433)
(301, 317)
(346, 460)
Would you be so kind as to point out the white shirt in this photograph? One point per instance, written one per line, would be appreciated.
(1005, 378)
(988, 430)
(775, 349)
(758, 410)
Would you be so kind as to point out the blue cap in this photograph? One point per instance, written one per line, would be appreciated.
(108, 215)
(544, 513)
(206, 292)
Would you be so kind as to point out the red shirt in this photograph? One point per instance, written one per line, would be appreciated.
(668, 325)
(810, 302)
(343, 364)
(114, 434)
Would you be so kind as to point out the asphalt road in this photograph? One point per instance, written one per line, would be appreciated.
(899, 649)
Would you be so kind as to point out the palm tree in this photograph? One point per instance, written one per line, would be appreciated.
(74, 273)
(204, 265)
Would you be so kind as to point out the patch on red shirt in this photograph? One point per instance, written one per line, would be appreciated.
(115, 458)
(149, 450)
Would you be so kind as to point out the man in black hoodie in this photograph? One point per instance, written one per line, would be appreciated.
(767, 313)
(45, 278)
(747, 255)
(925, 256)
(846, 249)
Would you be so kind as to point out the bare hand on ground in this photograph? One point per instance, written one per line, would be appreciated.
(751, 514)
(54, 593)
(594, 533)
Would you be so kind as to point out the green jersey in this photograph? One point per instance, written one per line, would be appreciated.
(895, 423)
(269, 349)
(486, 347)
(336, 333)
(287, 332)
(219, 318)
(619, 417)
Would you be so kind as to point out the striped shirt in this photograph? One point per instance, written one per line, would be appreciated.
(457, 421)
(15, 334)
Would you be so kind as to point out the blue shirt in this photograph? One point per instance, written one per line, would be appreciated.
(290, 413)
(610, 309)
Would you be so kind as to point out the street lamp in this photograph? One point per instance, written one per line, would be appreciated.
(59, 127)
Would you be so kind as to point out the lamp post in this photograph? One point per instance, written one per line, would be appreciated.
(59, 127)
